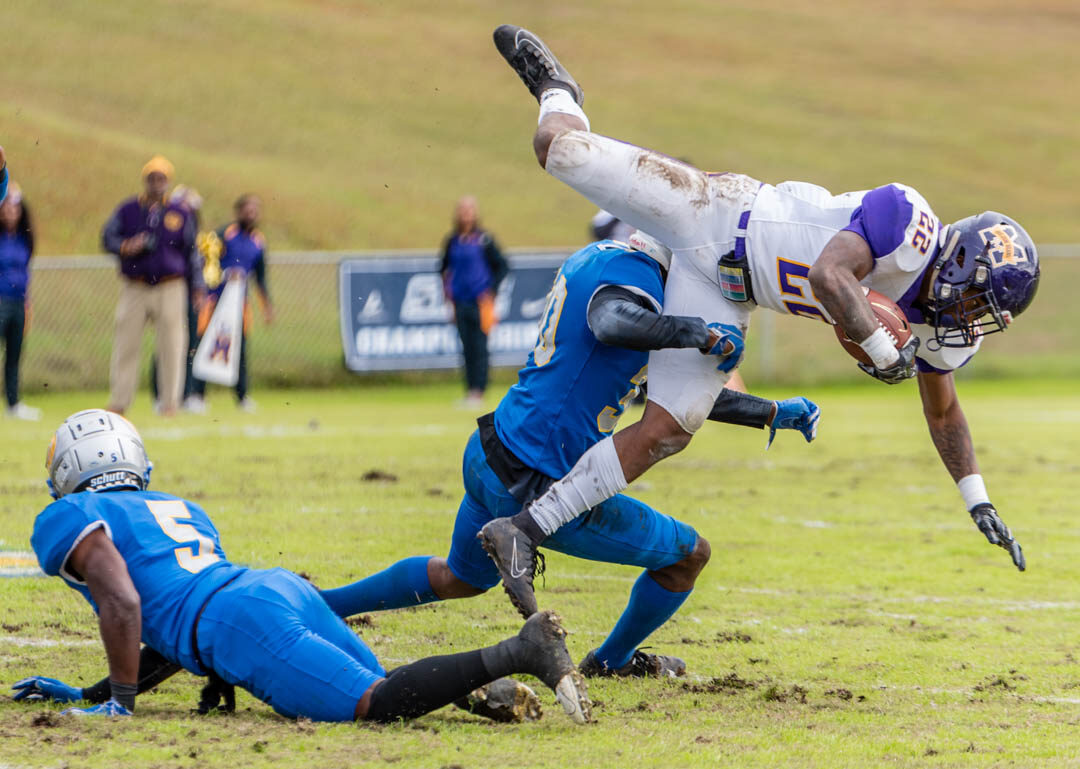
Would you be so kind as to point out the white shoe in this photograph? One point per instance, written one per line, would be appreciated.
(193, 404)
(26, 413)
(247, 405)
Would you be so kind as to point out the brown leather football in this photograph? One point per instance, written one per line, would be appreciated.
(889, 316)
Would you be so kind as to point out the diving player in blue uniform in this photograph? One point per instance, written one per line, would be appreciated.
(602, 317)
(152, 567)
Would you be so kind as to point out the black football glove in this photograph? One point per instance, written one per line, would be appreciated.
(997, 533)
(899, 371)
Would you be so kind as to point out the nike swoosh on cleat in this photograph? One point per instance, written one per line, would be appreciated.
(515, 572)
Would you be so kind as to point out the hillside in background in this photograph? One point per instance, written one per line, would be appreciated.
(361, 122)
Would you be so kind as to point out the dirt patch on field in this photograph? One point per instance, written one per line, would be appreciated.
(378, 476)
(729, 684)
(361, 620)
(45, 720)
(734, 636)
(778, 693)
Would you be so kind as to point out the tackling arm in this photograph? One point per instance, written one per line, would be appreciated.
(99, 563)
(949, 431)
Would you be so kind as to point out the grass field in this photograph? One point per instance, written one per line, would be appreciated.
(360, 122)
(851, 616)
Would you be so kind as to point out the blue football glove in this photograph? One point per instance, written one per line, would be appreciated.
(800, 414)
(109, 709)
(41, 689)
(727, 344)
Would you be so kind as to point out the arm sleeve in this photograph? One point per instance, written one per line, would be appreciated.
(621, 318)
(111, 238)
(735, 408)
(496, 262)
(444, 265)
(260, 275)
(194, 258)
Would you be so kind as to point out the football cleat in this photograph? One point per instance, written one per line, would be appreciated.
(534, 63)
(504, 700)
(517, 560)
(641, 665)
(543, 653)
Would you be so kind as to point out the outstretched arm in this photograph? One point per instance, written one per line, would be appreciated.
(952, 438)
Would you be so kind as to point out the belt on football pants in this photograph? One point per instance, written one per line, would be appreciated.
(198, 616)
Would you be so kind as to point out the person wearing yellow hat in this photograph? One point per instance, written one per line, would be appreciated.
(154, 239)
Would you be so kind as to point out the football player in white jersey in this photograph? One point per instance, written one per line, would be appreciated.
(793, 248)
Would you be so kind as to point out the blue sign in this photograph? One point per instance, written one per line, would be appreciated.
(394, 316)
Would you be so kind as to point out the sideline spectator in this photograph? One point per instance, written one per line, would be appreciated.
(3, 175)
(154, 239)
(472, 268)
(241, 248)
(192, 200)
(16, 249)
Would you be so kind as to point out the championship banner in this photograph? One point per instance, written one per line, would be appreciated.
(394, 316)
(217, 359)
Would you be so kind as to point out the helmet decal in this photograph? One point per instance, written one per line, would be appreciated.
(1002, 246)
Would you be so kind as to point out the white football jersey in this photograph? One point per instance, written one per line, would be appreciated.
(791, 223)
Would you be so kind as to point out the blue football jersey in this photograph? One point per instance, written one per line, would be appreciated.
(574, 388)
(172, 550)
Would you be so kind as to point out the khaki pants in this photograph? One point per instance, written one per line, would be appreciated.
(166, 305)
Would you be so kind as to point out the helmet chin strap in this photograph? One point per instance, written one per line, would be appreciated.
(952, 240)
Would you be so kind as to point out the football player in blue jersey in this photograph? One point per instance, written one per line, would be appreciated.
(793, 248)
(152, 567)
(602, 317)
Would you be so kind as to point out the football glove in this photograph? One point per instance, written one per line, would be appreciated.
(721, 335)
(41, 689)
(110, 709)
(800, 414)
(997, 533)
(903, 369)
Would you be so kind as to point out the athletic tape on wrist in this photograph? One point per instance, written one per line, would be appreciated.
(881, 349)
(973, 490)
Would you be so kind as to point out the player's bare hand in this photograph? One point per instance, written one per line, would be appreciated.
(997, 533)
(725, 342)
(133, 246)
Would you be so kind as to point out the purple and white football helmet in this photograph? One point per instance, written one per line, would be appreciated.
(985, 275)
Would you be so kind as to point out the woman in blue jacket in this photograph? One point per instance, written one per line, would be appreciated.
(472, 268)
(16, 248)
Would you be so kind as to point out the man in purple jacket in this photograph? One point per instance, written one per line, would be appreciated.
(155, 241)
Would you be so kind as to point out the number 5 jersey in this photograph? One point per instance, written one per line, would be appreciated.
(172, 550)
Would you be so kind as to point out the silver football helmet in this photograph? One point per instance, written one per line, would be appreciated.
(96, 450)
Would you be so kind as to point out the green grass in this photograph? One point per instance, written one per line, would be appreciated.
(869, 621)
(360, 123)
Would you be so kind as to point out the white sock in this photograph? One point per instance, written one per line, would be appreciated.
(597, 476)
(560, 100)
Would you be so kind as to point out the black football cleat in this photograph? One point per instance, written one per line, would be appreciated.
(534, 63)
(504, 700)
(543, 654)
(641, 665)
(517, 560)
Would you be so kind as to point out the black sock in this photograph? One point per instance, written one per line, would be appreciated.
(429, 684)
(529, 527)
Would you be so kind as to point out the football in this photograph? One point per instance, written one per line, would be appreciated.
(889, 316)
